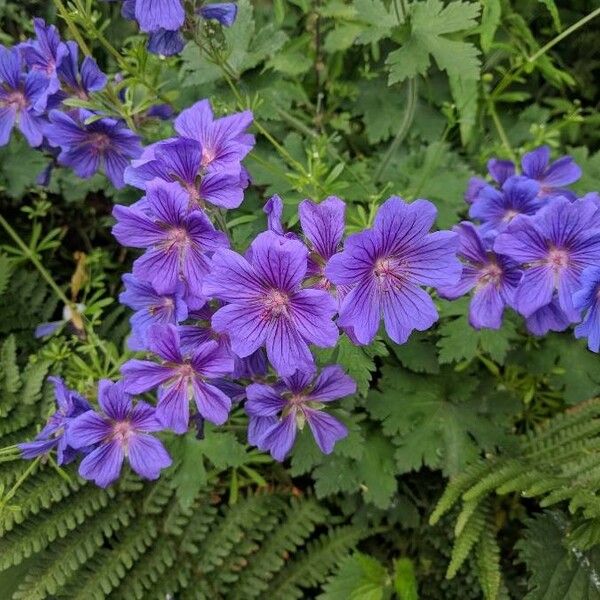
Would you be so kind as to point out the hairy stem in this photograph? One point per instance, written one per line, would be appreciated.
(409, 115)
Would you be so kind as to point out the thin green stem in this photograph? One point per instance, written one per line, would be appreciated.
(561, 36)
(49, 279)
(36, 262)
(409, 115)
(511, 76)
(64, 13)
(501, 131)
(13, 490)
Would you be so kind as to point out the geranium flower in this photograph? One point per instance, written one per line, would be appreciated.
(181, 377)
(386, 266)
(267, 305)
(121, 431)
(278, 412)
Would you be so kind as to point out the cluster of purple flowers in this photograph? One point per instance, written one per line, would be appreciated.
(536, 248)
(163, 20)
(36, 77)
(210, 320)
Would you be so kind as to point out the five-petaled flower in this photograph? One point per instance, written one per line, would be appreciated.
(69, 405)
(267, 305)
(277, 412)
(176, 239)
(386, 266)
(181, 377)
(494, 278)
(121, 431)
(87, 143)
(554, 246)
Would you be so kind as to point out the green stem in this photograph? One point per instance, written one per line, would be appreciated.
(64, 13)
(501, 132)
(409, 115)
(511, 76)
(36, 261)
(561, 36)
(13, 490)
(60, 294)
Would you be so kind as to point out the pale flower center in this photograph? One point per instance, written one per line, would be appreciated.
(100, 141)
(388, 272)
(490, 274)
(121, 432)
(208, 155)
(186, 370)
(16, 100)
(509, 215)
(558, 259)
(178, 236)
(276, 303)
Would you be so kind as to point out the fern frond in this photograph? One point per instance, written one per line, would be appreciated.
(467, 538)
(488, 560)
(311, 567)
(64, 558)
(37, 532)
(296, 526)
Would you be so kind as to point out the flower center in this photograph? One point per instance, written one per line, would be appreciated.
(388, 272)
(490, 274)
(276, 303)
(178, 236)
(16, 100)
(99, 141)
(186, 370)
(558, 259)
(509, 215)
(121, 432)
(208, 155)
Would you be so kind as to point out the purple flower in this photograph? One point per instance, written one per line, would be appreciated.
(548, 318)
(181, 377)
(152, 307)
(122, 431)
(223, 12)
(493, 277)
(224, 141)
(80, 82)
(69, 405)
(180, 160)
(23, 99)
(555, 246)
(386, 266)
(552, 177)
(46, 53)
(267, 304)
(496, 209)
(474, 186)
(277, 412)
(165, 42)
(500, 170)
(86, 145)
(176, 240)
(273, 208)
(323, 226)
(153, 15)
(588, 299)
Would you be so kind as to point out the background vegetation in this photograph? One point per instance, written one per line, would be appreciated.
(359, 99)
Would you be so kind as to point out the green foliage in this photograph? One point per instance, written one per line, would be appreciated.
(556, 465)
(92, 543)
(361, 99)
(545, 551)
(430, 23)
